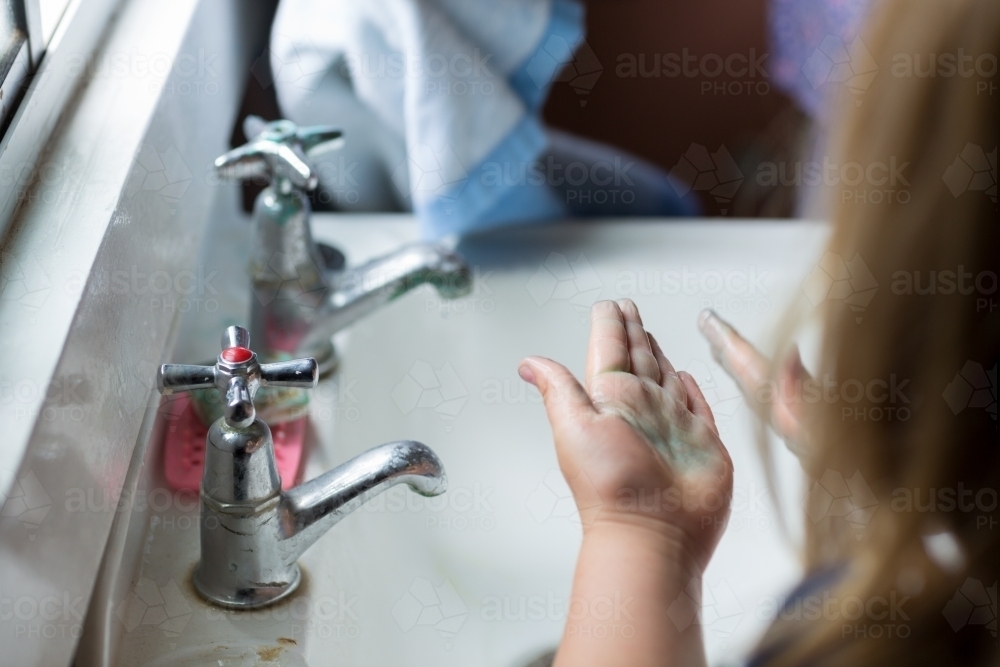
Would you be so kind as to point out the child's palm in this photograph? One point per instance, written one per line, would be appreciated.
(639, 444)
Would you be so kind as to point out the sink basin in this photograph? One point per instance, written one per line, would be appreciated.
(481, 575)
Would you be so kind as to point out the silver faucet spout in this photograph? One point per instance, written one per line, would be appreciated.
(364, 289)
(297, 303)
(252, 532)
(312, 508)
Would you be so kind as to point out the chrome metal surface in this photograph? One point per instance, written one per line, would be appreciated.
(361, 290)
(310, 509)
(75, 213)
(506, 510)
(238, 379)
(252, 533)
(297, 304)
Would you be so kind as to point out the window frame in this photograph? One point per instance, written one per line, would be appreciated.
(49, 75)
(26, 52)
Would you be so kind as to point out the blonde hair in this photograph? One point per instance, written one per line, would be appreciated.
(922, 341)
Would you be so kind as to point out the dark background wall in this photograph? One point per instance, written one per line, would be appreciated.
(657, 113)
(658, 116)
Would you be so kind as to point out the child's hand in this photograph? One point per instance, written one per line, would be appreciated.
(783, 404)
(639, 445)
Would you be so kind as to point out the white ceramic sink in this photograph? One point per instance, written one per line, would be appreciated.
(481, 575)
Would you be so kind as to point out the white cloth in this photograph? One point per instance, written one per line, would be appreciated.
(426, 91)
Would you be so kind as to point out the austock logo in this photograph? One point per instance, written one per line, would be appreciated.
(715, 173)
(49, 616)
(559, 279)
(162, 172)
(875, 617)
(24, 281)
(834, 61)
(746, 74)
(973, 387)
(720, 613)
(25, 501)
(132, 386)
(148, 604)
(599, 617)
(552, 499)
(439, 607)
(439, 390)
(296, 68)
(973, 171)
(722, 394)
(723, 290)
(428, 173)
(873, 182)
(851, 282)
(580, 70)
(281, 277)
(973, 604)
(833, 496)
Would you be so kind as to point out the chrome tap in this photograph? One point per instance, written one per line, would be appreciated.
(298, 304)
(252, 533)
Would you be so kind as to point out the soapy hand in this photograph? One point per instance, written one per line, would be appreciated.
(638, 446)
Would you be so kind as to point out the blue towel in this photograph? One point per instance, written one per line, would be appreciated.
(440, 101)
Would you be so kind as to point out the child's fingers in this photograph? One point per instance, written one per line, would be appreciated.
(741, 360)
(666, 368)
(697, 403)
(701, 409)
(751, 370)
(787, 411)
(608, 347)
(669, 379)
(565, 399)
(639, 350)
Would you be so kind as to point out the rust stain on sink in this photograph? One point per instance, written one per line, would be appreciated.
(270, 653)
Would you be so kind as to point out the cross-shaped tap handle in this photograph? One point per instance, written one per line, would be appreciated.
(237, 375)
(278, 150)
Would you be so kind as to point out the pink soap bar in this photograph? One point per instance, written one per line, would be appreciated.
(184, 445)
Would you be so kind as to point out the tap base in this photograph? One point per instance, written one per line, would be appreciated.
(254, 597)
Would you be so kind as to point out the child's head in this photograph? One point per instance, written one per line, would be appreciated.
(912, 347)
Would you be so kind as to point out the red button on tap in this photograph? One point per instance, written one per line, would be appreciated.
(236, 355)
